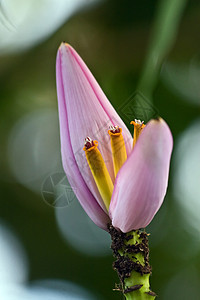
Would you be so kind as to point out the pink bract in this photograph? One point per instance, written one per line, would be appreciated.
(84, 110)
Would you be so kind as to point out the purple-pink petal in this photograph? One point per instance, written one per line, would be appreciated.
(75, 178)
(84, 111)
(141, 183)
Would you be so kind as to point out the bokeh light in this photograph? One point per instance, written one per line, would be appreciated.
(187, 177)
(47, 290)
(25, 23)
(14, 276)
(80, 232)
(33, 148)
(62, 289)
(13, 259)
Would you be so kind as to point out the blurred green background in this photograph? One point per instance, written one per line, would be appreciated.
(53, 250)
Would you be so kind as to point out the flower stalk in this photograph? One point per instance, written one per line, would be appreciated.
(131, 251)
(123, 182)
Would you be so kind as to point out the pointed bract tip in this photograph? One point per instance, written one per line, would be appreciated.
(64, 45)
(158, 119)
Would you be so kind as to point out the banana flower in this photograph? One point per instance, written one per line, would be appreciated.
(117, 179)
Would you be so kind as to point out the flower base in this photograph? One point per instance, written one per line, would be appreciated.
(131, 251)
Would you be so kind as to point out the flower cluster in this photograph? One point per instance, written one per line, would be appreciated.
(116, 178)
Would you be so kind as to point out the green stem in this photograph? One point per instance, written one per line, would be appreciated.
(162, 39)
(132, 263)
